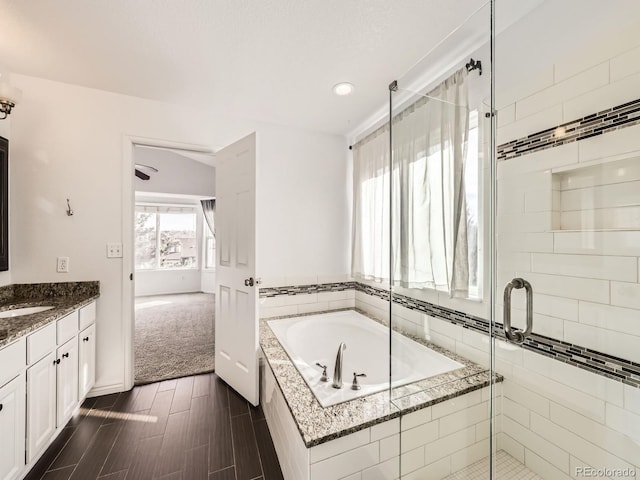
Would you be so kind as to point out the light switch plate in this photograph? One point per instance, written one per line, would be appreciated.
(114, 250)
(63, 265)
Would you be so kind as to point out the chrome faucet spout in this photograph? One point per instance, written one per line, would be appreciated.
(337, 371)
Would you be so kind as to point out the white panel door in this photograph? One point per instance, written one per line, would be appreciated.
(41, 404)
(67, 380)
(12, 428)
(236, 289)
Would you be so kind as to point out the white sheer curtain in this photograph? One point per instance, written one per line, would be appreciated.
(429, 221)
(370, 233)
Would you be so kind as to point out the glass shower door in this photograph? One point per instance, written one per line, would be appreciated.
(567, 241)
(440, 134)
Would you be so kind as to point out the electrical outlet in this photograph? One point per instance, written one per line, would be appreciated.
(114, 250)
(63, 265)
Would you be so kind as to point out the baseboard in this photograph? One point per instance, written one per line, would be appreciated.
(173, 292)
(106, 390)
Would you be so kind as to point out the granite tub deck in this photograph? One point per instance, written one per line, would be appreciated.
(318, 425)
(64, 297)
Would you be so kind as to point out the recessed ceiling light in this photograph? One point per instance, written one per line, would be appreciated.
(343, 88)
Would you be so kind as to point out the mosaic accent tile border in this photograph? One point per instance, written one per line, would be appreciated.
(306, 289)
(609, 366)
(614, 118)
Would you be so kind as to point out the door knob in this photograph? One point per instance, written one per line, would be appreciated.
(248, 282)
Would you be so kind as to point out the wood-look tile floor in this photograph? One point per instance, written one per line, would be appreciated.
(191, 428)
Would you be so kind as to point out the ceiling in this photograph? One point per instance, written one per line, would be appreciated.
(268, 60)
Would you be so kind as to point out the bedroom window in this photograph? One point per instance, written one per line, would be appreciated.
(165, 240)
(209, 249)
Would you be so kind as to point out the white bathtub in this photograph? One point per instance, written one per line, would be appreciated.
(315, 338)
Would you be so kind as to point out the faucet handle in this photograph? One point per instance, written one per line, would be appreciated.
(355, 385)
(324, 377)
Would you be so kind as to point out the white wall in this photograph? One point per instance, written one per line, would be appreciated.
(177, 174)
(160, 282)
(304, 205)
(208, 281)
(67, 141)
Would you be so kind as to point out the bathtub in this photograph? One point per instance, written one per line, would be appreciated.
(315, 339)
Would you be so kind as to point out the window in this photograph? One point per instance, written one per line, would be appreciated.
(472, 182)
(209, 248)
(165, 240)
(434, 239)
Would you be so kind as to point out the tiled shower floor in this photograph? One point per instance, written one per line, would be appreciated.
(507, 468)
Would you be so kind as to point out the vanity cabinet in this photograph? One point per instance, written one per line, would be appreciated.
(60, 374)
(12, 416)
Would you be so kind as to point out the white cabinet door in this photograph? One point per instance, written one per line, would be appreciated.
(12, 420)
(67, 380)
(41, 404)
(87, 360)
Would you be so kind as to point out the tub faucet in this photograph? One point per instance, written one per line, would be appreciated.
(337, 371)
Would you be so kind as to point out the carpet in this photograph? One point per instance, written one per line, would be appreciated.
(174, 336)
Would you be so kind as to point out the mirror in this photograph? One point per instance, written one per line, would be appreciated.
(4, 204)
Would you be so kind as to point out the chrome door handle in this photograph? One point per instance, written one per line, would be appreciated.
(517, 336)
(248, 282)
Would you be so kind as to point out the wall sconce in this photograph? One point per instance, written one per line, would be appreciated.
(9, 96)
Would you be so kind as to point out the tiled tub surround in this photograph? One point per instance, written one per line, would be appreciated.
(64, 297)
(302, 295)
(594, 361)
(362, 436)
(363, 339)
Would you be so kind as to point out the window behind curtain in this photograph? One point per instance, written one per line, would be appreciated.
(165, 239)
(370, 249)
(209, 249)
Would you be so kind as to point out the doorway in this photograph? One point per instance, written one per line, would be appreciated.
(172, 263)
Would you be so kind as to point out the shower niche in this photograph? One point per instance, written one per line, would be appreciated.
(605, 196)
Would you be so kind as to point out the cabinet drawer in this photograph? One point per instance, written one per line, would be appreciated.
(87, 315)
(40, 343)
(12, 360)
(67, 327)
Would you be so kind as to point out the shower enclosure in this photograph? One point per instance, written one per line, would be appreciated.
(512, 192)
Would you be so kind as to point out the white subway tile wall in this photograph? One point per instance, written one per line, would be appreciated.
(557, 418)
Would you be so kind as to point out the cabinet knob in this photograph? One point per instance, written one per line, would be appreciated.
(65, 355)
(1, 407)
(56, 362)
(85, 339)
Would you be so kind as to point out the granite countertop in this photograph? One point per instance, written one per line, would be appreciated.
(64, 297)
(318, 425)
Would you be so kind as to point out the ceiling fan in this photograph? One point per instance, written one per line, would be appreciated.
(140, 174)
